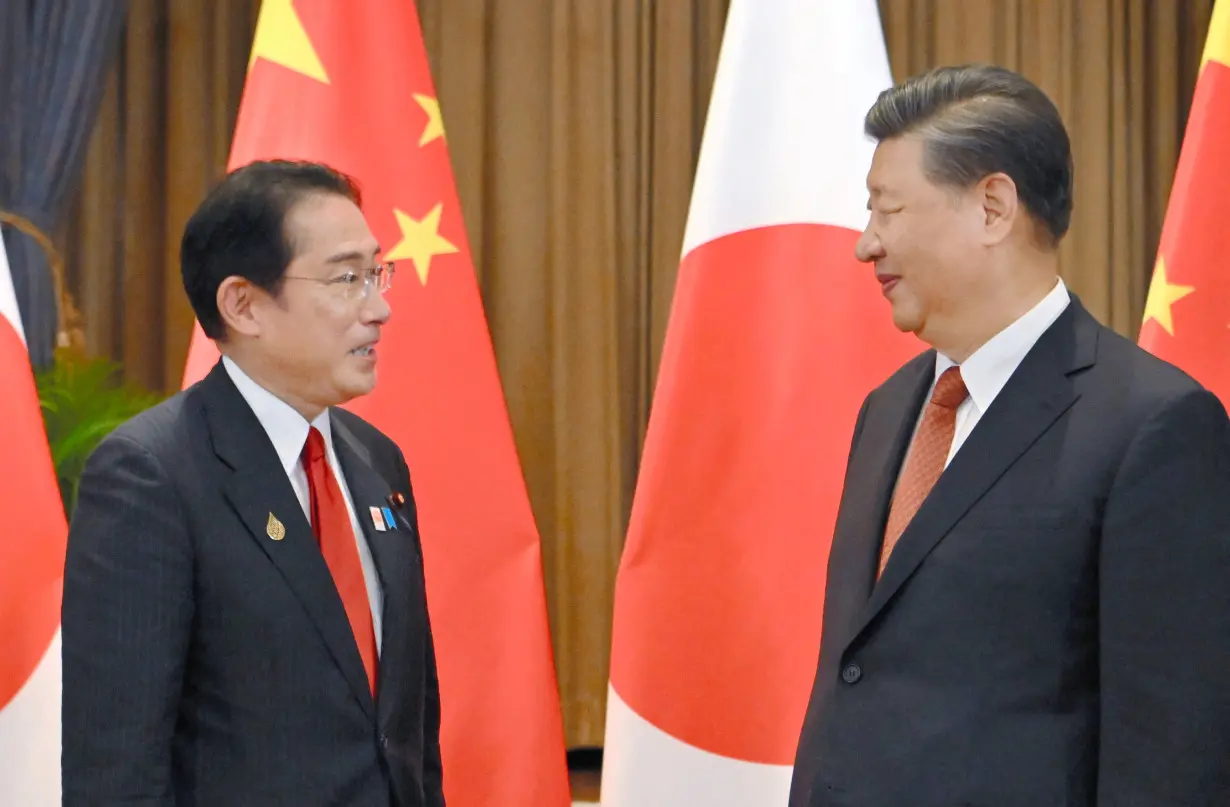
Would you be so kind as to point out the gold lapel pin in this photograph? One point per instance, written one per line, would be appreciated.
(275, 528)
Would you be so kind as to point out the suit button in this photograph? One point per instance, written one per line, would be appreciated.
(851, 673)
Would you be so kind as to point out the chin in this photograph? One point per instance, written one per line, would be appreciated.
(358, 387)
(906, 315)
(906, 323)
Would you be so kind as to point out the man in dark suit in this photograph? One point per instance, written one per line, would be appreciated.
(245, 616)
(1028, 597)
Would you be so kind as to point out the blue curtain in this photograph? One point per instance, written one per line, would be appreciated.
(54, 56)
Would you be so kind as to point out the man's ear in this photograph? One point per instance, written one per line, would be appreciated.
(1000, 206)
(236, 297)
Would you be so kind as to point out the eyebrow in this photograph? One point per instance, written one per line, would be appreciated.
(352, 255)
(876, 192)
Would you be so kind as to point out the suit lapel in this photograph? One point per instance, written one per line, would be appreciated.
(394, 554)
(1033, 399)
(882, 446)
(258, 489)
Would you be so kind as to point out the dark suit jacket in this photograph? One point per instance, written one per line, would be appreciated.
(1053, 628)
(208, 665)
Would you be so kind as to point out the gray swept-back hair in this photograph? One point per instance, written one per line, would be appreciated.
(976, 120)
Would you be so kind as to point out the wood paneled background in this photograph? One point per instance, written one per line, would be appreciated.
(573, 128)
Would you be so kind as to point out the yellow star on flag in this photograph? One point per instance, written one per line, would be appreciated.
(280, 38)
(1217, 45)
(435, 123)
(1163, 294)
(420, 241)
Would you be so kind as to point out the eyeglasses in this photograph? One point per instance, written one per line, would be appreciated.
(353, 286)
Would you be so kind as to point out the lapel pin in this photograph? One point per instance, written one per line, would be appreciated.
(377, 519)
(276, 529)
(388, 518)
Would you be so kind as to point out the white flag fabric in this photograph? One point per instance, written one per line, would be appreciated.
(32, 543)
(776, 334)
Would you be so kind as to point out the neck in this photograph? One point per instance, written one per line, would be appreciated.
(274, 383)
(1008, 297)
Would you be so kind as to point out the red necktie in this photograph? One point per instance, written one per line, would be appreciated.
(335, 532)
(928, 454)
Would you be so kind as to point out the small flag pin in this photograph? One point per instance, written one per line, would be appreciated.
(377, 519)
(275, 528)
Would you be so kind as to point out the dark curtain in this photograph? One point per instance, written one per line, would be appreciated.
(54, 58)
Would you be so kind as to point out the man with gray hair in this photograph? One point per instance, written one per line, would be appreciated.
(1028, 597)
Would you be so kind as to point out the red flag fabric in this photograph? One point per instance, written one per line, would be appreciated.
(776, 334)
(1187, 313)
(349, 84)
(33, 539)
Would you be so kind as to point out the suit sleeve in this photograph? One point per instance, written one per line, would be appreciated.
(1164, 613)
(127, 614)
(433, 769)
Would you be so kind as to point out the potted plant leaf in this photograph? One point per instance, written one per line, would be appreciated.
(83, 399)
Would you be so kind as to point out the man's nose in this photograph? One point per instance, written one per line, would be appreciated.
(868, 247)
(375, 308)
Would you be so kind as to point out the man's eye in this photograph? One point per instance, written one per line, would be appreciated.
(348, 279)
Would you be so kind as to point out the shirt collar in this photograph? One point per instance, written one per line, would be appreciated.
(988, 369)
(287, 429)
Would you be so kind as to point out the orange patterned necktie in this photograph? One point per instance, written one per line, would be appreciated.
(927, 456)
(335, 532)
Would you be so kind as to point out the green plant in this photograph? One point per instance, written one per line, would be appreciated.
(83, 400)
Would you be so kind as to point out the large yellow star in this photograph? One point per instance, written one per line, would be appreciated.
(420, 241)
(1217, 45)
(435, 123)
(1163, 294)
(280, 38)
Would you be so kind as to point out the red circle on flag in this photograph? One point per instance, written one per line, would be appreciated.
(33, 540)
(776, 336)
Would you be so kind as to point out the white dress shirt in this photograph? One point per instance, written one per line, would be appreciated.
(288, 431)
(988, 369)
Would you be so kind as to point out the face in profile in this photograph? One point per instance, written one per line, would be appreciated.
(321, 333)
(925, 240)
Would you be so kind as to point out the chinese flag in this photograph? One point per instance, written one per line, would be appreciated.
(776, 335)
(348, 84)
(1187, 315)
(33, 538)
